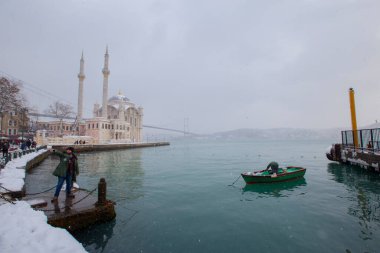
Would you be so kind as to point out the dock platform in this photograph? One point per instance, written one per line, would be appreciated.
(76, 213)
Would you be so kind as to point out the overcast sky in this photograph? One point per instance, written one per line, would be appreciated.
(222, 64)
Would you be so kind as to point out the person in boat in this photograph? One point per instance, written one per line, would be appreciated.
(65, 171)
(273, 168)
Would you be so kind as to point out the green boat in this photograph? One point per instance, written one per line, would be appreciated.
(264, 176)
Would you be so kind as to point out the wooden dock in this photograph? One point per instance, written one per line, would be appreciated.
(76, 213)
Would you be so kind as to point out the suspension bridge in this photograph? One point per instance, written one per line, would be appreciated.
(145, 126)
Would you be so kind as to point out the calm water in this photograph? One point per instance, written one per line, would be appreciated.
(177, 199)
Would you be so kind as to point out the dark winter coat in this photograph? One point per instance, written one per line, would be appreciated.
(67, 164)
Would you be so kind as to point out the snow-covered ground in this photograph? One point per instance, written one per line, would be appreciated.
(23, 229)
(13, 175)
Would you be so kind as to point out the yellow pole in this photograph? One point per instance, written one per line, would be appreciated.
(353, 117)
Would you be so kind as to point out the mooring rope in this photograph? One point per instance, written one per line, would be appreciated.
(8, 200)
(235, 181)
(89, 193)
(5, 189)
(31, 194)
(71, 205)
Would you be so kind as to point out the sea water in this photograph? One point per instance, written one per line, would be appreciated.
(177, 198)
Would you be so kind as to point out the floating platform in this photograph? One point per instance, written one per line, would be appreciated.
(360, 147)
(76, 213)
(80, 148)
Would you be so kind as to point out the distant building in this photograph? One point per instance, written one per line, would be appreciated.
(120, 122)
(14, 125)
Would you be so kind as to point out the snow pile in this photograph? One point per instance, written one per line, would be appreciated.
(23, 229)
(12, 176)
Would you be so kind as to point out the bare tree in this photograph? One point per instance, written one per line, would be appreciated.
(61, 111)
(11, 99)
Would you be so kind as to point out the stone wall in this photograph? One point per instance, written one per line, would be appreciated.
(105, 147)
(36, 160)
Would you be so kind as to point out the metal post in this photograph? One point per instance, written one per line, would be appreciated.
(361, 140)
(353, 116)
(345, 133)
(102, 192)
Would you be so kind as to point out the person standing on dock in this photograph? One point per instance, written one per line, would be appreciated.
(66, 169)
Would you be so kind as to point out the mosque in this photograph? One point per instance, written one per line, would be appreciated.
(116, 120)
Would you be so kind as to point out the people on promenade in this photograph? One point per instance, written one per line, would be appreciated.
(23, 145)
(65, 171)
(5, 148)
(34, 144)
(28, 143)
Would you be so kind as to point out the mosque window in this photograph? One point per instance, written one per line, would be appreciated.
(102, 125)
(9, 131)
(112, 126)
(89, 126)
(97, 125)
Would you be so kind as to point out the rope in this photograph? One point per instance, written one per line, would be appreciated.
(71, 205)
(89, 193)
(234, 181)
(8, 200)
(6, 189)
(36, 193)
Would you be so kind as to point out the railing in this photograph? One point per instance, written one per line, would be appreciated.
(367, 139)
(12, 155)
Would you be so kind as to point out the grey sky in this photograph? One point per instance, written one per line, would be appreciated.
(223, 64)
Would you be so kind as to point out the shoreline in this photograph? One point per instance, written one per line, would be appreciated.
(105, 147)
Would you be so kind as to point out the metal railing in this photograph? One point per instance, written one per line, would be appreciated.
(367, 139)
(13, 155)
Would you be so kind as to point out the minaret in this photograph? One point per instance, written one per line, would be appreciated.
(81, 77)
(106, 73)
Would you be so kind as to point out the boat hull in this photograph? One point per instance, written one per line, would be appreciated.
(258, 178)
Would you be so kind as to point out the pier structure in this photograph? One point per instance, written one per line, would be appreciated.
(358, 146)
(77, 213)
(106, 147)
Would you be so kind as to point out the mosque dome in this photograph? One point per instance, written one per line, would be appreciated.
(118, 98)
